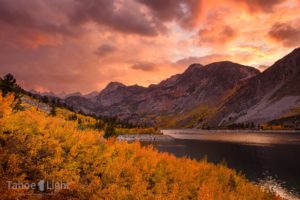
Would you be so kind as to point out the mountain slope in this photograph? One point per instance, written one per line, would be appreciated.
(199, 86)
(266, 96)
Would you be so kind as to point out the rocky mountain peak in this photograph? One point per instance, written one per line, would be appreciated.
(112, 86)
(292, 60)
(228, 65)
(284, 69)
(61, 94)
(268, 95)
(193, 67)
(74, 94)
(91, 94)
(219, 93)
(296, 51)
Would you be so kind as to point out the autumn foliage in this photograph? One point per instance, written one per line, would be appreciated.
(36, 145)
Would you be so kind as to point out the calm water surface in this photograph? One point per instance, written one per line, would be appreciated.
(270, 159)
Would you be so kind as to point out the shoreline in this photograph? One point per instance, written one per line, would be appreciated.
(144, 137)
(194, 131)
(172, 134)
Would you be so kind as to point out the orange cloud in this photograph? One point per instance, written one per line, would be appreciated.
(216, 35)
(82, 45)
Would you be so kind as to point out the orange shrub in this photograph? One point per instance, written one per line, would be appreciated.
(36, 146)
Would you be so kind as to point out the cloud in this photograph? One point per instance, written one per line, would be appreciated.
(144, 66)
(184, 12)
(245, 55)
(123, 16)
(287, 33)
(105, 49)
(216, 35)
(260, 5)
(81, 45)
(37, 15)
(30, 23)
(33, 23)
(51, 68)
(165, 10)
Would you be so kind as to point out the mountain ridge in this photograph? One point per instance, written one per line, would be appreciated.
(212, 95)
(198, 84)
(255, 101)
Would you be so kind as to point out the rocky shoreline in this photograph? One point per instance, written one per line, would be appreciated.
(145, 137)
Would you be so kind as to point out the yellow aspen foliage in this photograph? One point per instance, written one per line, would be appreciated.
(37, 146)
(6, 104)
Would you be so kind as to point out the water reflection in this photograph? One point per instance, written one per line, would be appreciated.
(254, 138)
(268, 158)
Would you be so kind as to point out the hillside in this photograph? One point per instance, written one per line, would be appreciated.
(199, 86)
(267, 96)
(37, 146)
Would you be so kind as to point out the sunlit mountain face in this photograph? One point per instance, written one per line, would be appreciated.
(73, 45)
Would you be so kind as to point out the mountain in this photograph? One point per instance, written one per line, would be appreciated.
(214, 95)
(198, 87)
(267, 96)
(61, 95)
(49, 94)
(91, 95)
(74, 94)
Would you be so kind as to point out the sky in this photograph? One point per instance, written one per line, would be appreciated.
(82, 45)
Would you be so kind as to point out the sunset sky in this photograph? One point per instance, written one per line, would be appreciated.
(81, 45)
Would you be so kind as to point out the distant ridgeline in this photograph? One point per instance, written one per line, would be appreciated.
(111, 126)
(221, 95)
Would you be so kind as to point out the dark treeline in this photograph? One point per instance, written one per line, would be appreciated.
(248, 125)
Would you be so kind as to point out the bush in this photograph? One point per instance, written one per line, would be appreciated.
(37, 146)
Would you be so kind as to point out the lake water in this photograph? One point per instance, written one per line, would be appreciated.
(271, 159)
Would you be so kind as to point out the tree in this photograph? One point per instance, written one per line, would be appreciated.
(110, 131)
(8, 84)
(45, 99)
(99, 124)
(53, 111)
(73, 117)
(252, 125)
(54, 102)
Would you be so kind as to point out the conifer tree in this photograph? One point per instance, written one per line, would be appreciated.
(9, 85)
(110, 131)
(53, 111)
